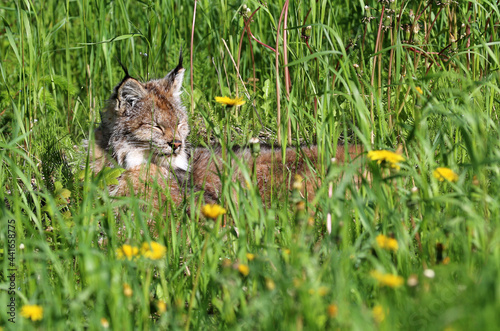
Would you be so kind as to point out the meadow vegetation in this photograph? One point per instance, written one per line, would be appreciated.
(405, 236)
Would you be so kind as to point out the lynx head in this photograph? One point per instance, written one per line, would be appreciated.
(147, 121)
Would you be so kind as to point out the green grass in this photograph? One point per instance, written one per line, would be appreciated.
(58, 66)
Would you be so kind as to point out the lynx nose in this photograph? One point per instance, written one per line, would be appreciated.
(176, 144)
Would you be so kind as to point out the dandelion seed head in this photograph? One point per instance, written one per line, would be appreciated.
(429, 273)
(412, 281)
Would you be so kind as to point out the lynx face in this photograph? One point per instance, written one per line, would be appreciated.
(146, 122)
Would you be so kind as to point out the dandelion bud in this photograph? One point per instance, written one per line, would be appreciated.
(332, 310)
(475, 182)
(104, 323)
(254, 146)
(308, 31)
(301, 205)
(378, 313)
(127, 290)
(387, 21)
(270, 284)
(413, 198)
(162, 306)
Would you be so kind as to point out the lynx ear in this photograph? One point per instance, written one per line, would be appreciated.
(130, 92)
(175, 77)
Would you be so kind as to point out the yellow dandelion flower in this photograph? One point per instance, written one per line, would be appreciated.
(381, 239)
(212, 211)
(162, 306)
(419, 90)
(392, 244)
(446, 260)
(270, 284)
(153, 250)
(333, 310)
(388, 243)
(443, 173)
(250, 256)
(323, 290)
(243, 269)
(389, 280)
(33, 312)
(127, 290)
(297, 282)
(127, 252)
(390, 158)
(104, 323)
(378, 313)
(298, 183)
(230, 102)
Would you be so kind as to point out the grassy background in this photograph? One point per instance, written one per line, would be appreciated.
(354, 77)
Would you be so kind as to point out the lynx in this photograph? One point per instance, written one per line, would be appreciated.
(144, 130)
(145, 124)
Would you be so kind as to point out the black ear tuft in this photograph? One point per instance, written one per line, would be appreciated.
(173, 80)
(179, 66)
(124, 69)
(131, 91)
